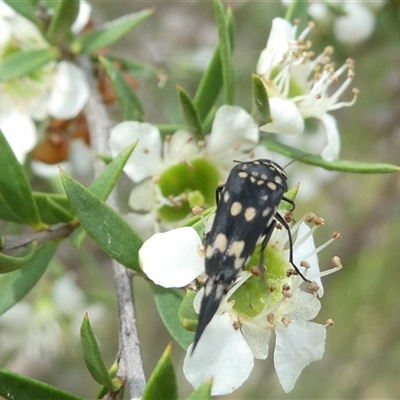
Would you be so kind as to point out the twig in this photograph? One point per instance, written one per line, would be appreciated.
(131, 365)
(21, 240)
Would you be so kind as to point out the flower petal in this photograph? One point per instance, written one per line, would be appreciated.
(277, 46)
(297, 346)
(306, 306)
(356, 26)
(140, 198)
(146, 158)
(172, 259)
(83, 16)
(20, 132)
(221, 354)
(257, 339)
(70, 91)
(286, 117)
(306, 248)
(232, 127)
(180, 147)
(331, 150)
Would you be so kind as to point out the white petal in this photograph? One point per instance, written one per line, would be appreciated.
(181, 146)
(83, 17)
(286, 117)
(144, 224)
(221, 354)
(140, 198)
(172, 259)
(232, 126)
(146, 158)
(258, 340)
(306, 248)
(80, 156)
(70, 91)
(20, 132)
(297, 346)
(277, 45)
(356, 26)
(305, 306)
(331, 150)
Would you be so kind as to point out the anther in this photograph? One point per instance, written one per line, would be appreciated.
(271, 318)
(201, 250)
(330, 322)
(288, 217)
(305, 264)
(236, 325)
(313, 287)
(197, 210)
(337, 262)
(145, 150)
(156, 179)
(167, 138)
(286, 321)
(271, 287)
(336, 235)
(201, 143)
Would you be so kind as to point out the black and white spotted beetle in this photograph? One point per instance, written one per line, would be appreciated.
(246, 211)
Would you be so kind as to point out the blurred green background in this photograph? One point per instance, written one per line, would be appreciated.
(362, 357)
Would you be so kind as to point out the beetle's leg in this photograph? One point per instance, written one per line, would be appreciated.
(286, 226)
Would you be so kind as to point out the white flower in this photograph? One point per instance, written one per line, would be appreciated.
(59, 89)
(33, 332)
(178, 173)
(299, 86)
(354, 24)
(240, 332)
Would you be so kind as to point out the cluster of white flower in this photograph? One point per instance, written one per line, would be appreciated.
(238, 333)
(59, 89)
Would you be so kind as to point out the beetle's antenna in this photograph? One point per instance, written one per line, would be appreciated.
(297, 159)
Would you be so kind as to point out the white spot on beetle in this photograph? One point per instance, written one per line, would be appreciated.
(250, 213)
(236, 208)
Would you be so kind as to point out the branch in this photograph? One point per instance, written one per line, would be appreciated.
(131, 365)
(58, 231)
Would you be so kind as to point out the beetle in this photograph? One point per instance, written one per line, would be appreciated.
(246, 211)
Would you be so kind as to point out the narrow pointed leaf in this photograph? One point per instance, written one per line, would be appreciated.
(111, 32)
(186, 313)
(102, 186)
(162, 383)
(12, 263)
(92, 356)
(15, 285)
(203, 392)
(53, 208)
(64, 16)
(5, 212)
(107, 228)
(211, 82)
(25, 8)
(260, 104)
(14, 187)
(132, 109)
(18, 387)
(336, 165)
(224, 51)
(168, 302)
(24, 62)
(190, 116)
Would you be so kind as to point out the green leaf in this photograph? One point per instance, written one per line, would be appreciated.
(190, 116)
(224, 51)
(260, 104)
(298, 9)
(103, 224)
(168, 302)
(203, 392)
(336, 165)
(92, 356)
(5, 212)
(111, 32)
(23, 62)
(15, 189)
(162, 382)
(53, 208)
(64, 16)
(18, 387)
(25, 8)
(211, 81)
(10, 263)
(186, 313)
(15, 285)
(132, 109)
(102, 186)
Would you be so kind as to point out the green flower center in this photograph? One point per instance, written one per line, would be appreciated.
(265, 290)
(187, 185)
